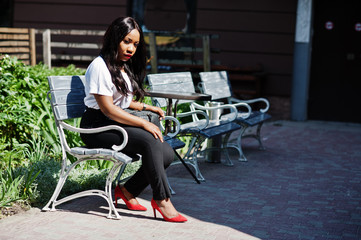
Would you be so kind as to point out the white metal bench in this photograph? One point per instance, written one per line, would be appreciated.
(198, 129)
(66, 96)
(216, 84)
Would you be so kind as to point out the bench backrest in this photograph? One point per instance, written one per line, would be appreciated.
(215, 84)
(172, 82)
(67, 96)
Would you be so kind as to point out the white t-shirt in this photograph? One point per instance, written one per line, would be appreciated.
(99, 81)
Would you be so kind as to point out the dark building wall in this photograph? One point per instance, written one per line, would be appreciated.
(250, 32)
(67, 14)
(253, 32)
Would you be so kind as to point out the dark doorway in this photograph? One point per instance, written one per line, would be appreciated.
(6, 13)
(335, 83)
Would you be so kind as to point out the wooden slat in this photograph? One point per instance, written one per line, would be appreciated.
(178, 49)
(13, 37)
(77, 32)
(20, 56)
(14, 50)
(14, 43)
(76, 45)
(180, 35)
(72, 57)
(14, 30)
(179, 62)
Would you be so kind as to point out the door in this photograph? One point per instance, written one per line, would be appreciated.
(335, 81)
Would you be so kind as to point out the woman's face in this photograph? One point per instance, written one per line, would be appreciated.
(128, 45)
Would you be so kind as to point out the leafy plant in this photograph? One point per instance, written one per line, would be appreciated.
(9, 189)
(16, 185)
(24, 109)
(29, 142)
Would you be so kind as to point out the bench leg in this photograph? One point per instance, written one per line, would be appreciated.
(120, 173)
(191, 157)
(108, 189)
(107, 194)
(238, 144)
(261, 147)
(186, 166)
(228, 161)
(64, 173)
(222, 148)
(55, 195)
(256, 136)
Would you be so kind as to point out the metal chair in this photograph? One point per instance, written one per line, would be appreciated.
(216, 84)
(66, 96)
(198, 129)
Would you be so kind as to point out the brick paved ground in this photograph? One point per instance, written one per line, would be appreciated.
(306, 185)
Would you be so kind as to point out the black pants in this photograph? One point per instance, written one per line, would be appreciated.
(156, 156)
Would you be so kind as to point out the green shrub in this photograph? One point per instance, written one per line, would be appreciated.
(82, 178)
(17, 185)
(29, 144)
(25, 112)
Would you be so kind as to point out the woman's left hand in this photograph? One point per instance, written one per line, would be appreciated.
(157, 110)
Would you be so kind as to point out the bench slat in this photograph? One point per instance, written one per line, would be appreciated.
(218, 130)
(66, 82)
(216, 84)
(175, 143)
(172, 82)
(255, 118)
(74, 96)
(63, 112)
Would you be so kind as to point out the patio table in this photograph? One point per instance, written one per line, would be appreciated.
(178, 96)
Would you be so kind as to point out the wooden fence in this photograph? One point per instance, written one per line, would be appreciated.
(19, 43)
(168, 51)
(191, 49)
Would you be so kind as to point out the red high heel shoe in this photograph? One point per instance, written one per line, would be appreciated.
(119, 194)
(178, 218)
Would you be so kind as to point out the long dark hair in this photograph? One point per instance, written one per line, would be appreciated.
(135, 66)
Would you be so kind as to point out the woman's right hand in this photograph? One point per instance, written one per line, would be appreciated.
(153, 129)
(117, 114)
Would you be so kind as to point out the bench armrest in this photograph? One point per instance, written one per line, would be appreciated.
(243, 104)
(263, 110)
(177, 124)
(232, 108)
(192, 113)
(97, 130)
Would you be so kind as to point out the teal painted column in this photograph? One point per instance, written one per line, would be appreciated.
(301, 61)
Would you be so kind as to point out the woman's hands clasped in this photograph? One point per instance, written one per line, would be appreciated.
(153, 129)
(159, 111)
